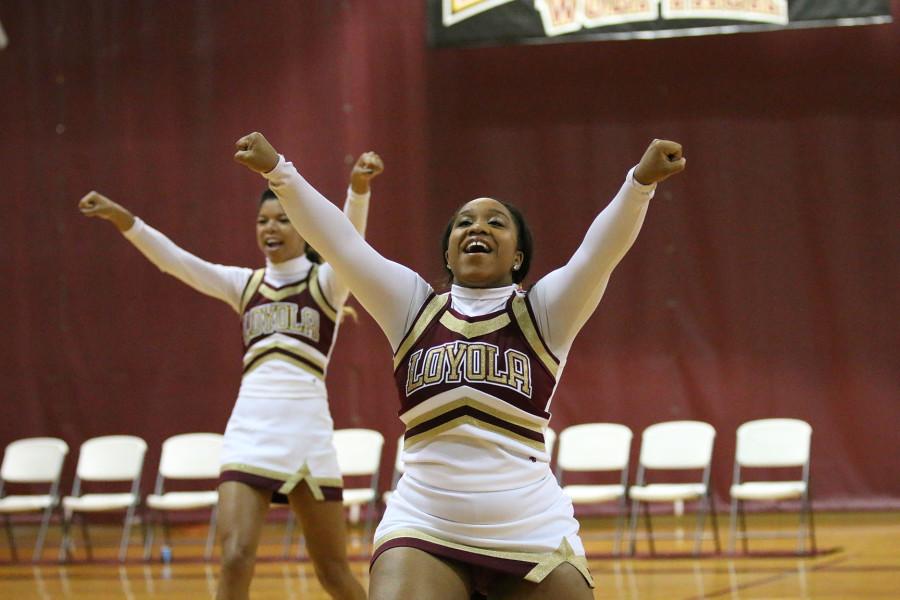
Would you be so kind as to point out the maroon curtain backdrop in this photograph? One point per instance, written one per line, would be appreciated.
(764, 282)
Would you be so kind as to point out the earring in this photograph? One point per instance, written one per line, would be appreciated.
(516, 267)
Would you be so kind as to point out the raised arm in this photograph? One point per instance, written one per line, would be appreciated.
(564, 299)
(390, 292)
(222, 282)
(356, 207)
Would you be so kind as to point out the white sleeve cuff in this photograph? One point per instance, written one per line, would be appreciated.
(353, 196)
(136, 228)
(646, 190)
(270, 174)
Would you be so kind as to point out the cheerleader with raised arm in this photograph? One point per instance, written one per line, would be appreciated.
(278, 442)
(477, 508)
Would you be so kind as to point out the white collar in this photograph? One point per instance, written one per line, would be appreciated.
(295, 266)
(495, 293)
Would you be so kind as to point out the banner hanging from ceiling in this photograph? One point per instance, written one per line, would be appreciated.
(495, 22)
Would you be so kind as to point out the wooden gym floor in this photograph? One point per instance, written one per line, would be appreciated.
(859, 558)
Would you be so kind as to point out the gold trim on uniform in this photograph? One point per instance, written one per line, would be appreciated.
(546, 561)
(251, 286)
(479, 328)
(316, 291)
(563, 554)
(281, 354)
(474, 421)
(526, 324)
(277, 295)
(290, 480)
(431, 310)
(245, 468)
(537, 425)
(296, 350)
(315, 483)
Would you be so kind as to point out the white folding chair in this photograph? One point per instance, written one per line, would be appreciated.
(188, 456)
(31, 461)
(772, 443)
(597, 447)
(359, 454)
(112, 458)
(681, 446)
(398, 470)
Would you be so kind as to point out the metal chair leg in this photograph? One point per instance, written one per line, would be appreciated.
(745, 541)
(167, 530)
(12, 539)
(632, 529)
(149, 534)
(714, 519)
(126, 534)
(620, 525)
(732, 526)
(86, 535)
(649, 527)
(812, 529)
(211, 535)
(806, 509)
(698, 531)
(65, 542)
(42, 535)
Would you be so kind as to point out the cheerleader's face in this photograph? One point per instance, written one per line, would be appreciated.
(275, 235)
(482, 247)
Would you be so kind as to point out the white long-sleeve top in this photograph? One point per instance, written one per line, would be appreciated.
(562, 300)
(227, 283)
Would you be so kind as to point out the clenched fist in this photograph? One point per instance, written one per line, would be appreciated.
(256, 153)
(661, 160)
(98, 205)
(368, 166)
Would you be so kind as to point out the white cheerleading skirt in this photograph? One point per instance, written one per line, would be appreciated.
(275, 441)
(526, 531)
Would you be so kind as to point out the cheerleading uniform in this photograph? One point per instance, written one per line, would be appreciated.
(475, 370)
(280, 429)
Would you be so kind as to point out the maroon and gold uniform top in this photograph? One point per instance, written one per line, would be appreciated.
(489, 377)
(293, 323)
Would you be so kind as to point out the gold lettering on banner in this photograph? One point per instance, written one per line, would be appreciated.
(566, 16)
(474, 362)
(281, 317)
(561, 12)
(766, 11)
(454, 11)
(617, 10)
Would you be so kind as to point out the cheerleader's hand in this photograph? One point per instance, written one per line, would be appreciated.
(661, 160)
(368, 166)
(94, 204)
(256, 153)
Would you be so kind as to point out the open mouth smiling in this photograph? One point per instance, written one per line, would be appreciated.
(476, 246)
